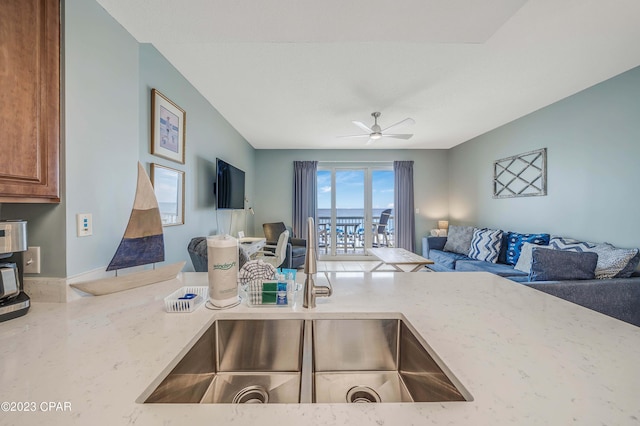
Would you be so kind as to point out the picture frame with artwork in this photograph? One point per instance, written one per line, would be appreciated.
(168, 128)
(168, 186)
(522, 175)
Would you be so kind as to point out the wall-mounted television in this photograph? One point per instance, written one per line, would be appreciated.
(229, 187)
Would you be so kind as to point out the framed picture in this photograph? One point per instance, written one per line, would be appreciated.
(168, 185)
(168, 124)
(522, 175)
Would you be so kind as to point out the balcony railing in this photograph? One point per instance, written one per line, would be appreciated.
(349, 234)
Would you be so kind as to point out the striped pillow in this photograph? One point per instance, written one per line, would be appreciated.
(485, 245)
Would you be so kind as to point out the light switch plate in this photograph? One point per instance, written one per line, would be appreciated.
(31, 260)
(84, 222)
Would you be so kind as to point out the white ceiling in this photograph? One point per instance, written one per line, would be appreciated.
(295, 73)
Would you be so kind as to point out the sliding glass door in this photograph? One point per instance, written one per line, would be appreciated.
(355, 208)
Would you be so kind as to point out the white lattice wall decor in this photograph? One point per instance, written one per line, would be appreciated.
(522, 175)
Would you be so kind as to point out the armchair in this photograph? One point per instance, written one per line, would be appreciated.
(198, 252)
(296, 248)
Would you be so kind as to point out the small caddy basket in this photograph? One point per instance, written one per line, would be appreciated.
(176, 301)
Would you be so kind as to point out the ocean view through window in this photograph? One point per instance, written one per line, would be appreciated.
(351, 200)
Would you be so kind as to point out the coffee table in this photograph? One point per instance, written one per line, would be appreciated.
(398, 256)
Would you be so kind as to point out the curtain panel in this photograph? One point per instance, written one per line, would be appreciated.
(305, 198)
(403, 204)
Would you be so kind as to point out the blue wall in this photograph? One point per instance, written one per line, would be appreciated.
(593, 143)
(209, 136)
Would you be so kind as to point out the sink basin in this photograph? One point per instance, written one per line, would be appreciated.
(238, 361)
(375, 360)
(313, 360)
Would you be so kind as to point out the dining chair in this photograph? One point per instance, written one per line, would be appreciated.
(380, 228)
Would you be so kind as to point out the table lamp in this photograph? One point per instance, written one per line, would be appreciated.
(443, 226)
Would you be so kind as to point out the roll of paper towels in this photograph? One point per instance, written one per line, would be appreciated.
(222, 254)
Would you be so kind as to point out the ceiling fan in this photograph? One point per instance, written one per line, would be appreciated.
(375, 132)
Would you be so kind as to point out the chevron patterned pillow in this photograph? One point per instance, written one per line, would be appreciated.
(561, 243)
(485, 245)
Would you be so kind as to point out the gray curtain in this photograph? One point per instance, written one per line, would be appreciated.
(404, 219)
(305, 198)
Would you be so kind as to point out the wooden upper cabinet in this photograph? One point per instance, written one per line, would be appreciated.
(29, 101)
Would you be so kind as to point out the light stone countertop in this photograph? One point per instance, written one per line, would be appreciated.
(526, 357)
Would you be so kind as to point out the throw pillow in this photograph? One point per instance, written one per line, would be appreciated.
(516, 240)
(459, 239)
(631, 266)
(524, 261)
(557, 265)
(561, 243)
(485, 245)
(612, 262)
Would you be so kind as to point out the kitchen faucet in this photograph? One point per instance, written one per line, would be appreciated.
(311, 290)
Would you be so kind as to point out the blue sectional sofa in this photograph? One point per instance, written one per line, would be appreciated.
(616, 297)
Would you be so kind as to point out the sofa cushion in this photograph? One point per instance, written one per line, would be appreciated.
(516, 240)
(445, 258)
(613, 262)
(524, 261)
(549, 264)
(495, 268)
(485, 245)
(459, 239)
(436, 267)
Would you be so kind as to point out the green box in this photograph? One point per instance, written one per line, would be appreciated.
(269, 292)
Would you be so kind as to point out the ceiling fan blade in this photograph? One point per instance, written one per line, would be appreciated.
(398, 136)
(400, 123)
(353, 136)
(363, 126)
(369, 142)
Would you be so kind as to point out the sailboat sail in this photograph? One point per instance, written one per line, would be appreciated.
(143, 241)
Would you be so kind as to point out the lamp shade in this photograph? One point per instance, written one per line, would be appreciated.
(443, 224)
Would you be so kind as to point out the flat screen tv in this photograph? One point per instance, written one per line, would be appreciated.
(229, 186)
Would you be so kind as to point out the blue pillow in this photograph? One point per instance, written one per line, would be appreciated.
(515, 242)
(557, 265)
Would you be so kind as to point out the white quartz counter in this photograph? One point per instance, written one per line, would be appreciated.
(526, 357)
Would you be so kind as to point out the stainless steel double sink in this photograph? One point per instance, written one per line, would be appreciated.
(318, 360)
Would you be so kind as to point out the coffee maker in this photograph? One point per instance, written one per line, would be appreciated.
(13, 243)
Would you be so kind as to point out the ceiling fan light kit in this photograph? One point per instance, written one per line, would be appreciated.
(375, 133)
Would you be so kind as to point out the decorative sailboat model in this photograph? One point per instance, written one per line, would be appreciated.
(142, 244)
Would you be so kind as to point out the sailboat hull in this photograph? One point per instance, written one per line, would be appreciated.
(127, 282)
